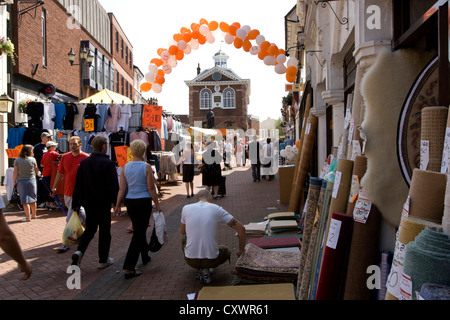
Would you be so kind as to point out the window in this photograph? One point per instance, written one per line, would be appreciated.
(117, 41)
(100, 79)
(126, 55)
(229, 98)
(111, 77)
(131, 60)
(117, 82)
(121, 48)
(44, 37)
(122, 87)
(205, 99)
(106, 63)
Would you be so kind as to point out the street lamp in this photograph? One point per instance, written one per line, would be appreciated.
(6, 103)
(85, 56)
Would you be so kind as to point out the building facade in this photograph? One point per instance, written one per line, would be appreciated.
(221, 90)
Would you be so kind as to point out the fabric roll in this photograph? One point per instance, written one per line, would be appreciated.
(385, 266)
(304, 276)
(427, 260)
(434, 124)
(302, 139)
(446, 215)
(410, 228)
(307, 149)
(363, 253)
(431, 291)
(335, 257)
(359, 169)
(319, 242)
(427, 194)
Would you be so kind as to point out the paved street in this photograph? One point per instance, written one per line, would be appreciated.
(166, 277)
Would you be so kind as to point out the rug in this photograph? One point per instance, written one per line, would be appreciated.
(432, 135)
(384, 89)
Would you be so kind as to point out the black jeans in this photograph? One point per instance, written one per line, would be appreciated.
(97, 217)
(139, 211)
(256, 172)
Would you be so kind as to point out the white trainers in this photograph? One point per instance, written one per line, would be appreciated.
(106, 264)
(76, 258)
(205, 276)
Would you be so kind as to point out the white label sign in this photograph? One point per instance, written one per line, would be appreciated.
(424, 154)
(333, 233)
(337, 182)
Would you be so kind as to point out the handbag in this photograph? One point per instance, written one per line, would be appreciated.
(159, 233)
(15, 198)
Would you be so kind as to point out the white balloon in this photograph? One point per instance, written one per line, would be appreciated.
(182, 44)
(172, 61)
(157, 88)
(204, 29)
(241, 33)
(149, 77)
(269, 60)
(153, 68)
(280, 68)
(260, 39)
(283, 153)
(188, 49)
(288, 148)
(292, 62)
(210, 38)
(165, 55)
(247, 28)
(229, 39)
(171, 43)
(194, 44)
(281, 58)
(167, 68)
(254, 50)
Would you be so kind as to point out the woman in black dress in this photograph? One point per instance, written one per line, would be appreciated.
(211, 170)
(188, 158)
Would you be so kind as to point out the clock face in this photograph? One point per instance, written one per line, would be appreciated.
(217, 76)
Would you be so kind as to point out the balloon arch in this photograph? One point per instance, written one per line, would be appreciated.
(204, 32)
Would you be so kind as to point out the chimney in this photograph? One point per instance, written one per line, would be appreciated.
(198, 69)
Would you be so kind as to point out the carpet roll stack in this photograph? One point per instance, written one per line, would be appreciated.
(309, 240)
(427, 260)
(334, 264)
(434, 124)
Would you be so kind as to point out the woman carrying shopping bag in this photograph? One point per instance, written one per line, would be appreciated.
(137, 190)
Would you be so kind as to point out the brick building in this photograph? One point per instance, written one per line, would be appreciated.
(222, 91)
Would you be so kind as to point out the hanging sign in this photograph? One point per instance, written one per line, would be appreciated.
(122, 155)
(12, 153)
(151, 116)
(89, 125)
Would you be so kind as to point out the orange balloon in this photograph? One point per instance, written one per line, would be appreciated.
(292, 71)
(160, 50)
(201, 39)
(160, 79)
(203, 21)
(290, 78)
(146, 87)
(281, 51)
(173, 50)
(177, 37)
(157, 61)
(247, 45)
(238, 43)
(224, 26)
(232, 30)
(213, 25)
(179, 55)
(187, 36)
(195, 26)
(237, 24)
(184, 29)
(160, 72)
(273, 50)
(262, 54)
(196, 34)
(253, 34)
(265, 45)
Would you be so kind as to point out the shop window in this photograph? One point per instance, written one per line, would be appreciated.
(205, 99)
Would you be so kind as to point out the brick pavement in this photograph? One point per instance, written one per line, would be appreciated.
(166, 277)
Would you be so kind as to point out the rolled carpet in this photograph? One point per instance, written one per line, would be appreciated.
(427, 260)
(434, 123)
(446, 215)
(431, 291)
(334, 265)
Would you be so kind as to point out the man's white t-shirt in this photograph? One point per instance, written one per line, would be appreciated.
(201, 220)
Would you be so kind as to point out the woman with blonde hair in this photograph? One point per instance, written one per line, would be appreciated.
(137, 190)
(24, 178)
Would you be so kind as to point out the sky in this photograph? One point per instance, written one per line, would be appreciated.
(150, 25)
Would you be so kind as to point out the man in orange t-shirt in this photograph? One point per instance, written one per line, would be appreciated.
(68, 167)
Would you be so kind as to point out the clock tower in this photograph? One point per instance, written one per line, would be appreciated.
(220, 90)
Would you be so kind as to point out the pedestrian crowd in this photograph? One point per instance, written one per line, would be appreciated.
(92, 190)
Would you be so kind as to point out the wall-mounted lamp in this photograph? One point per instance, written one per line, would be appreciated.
(85, 56)
(314, 52)
(6, 103)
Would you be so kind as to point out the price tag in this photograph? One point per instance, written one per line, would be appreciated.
(333, 233)
(121, 155)
(356, 149)
(151, 116)
(89, 125)
(424, 154)
(12, 153)
(406, 287)
(361, 211)
(446, 151)
(354, 189)
(350, 132)
(337, 182)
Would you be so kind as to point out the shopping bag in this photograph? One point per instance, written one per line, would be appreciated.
(73, 230)
(159, 232)
(15, 198)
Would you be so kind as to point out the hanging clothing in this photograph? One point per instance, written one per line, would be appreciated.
(49, 114)
(91, 113)
(124, 119)
(60, 113)
(169, 121)
(32, 136)
(155, 141)
(102, 112)
(35, 112)
(69, 119)
(78, 118)
(113, 117)
(15, 136)
(116, 139)
(85, 140)
(136, 118)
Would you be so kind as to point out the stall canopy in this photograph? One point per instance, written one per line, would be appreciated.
(208, 132)
(108, 97)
